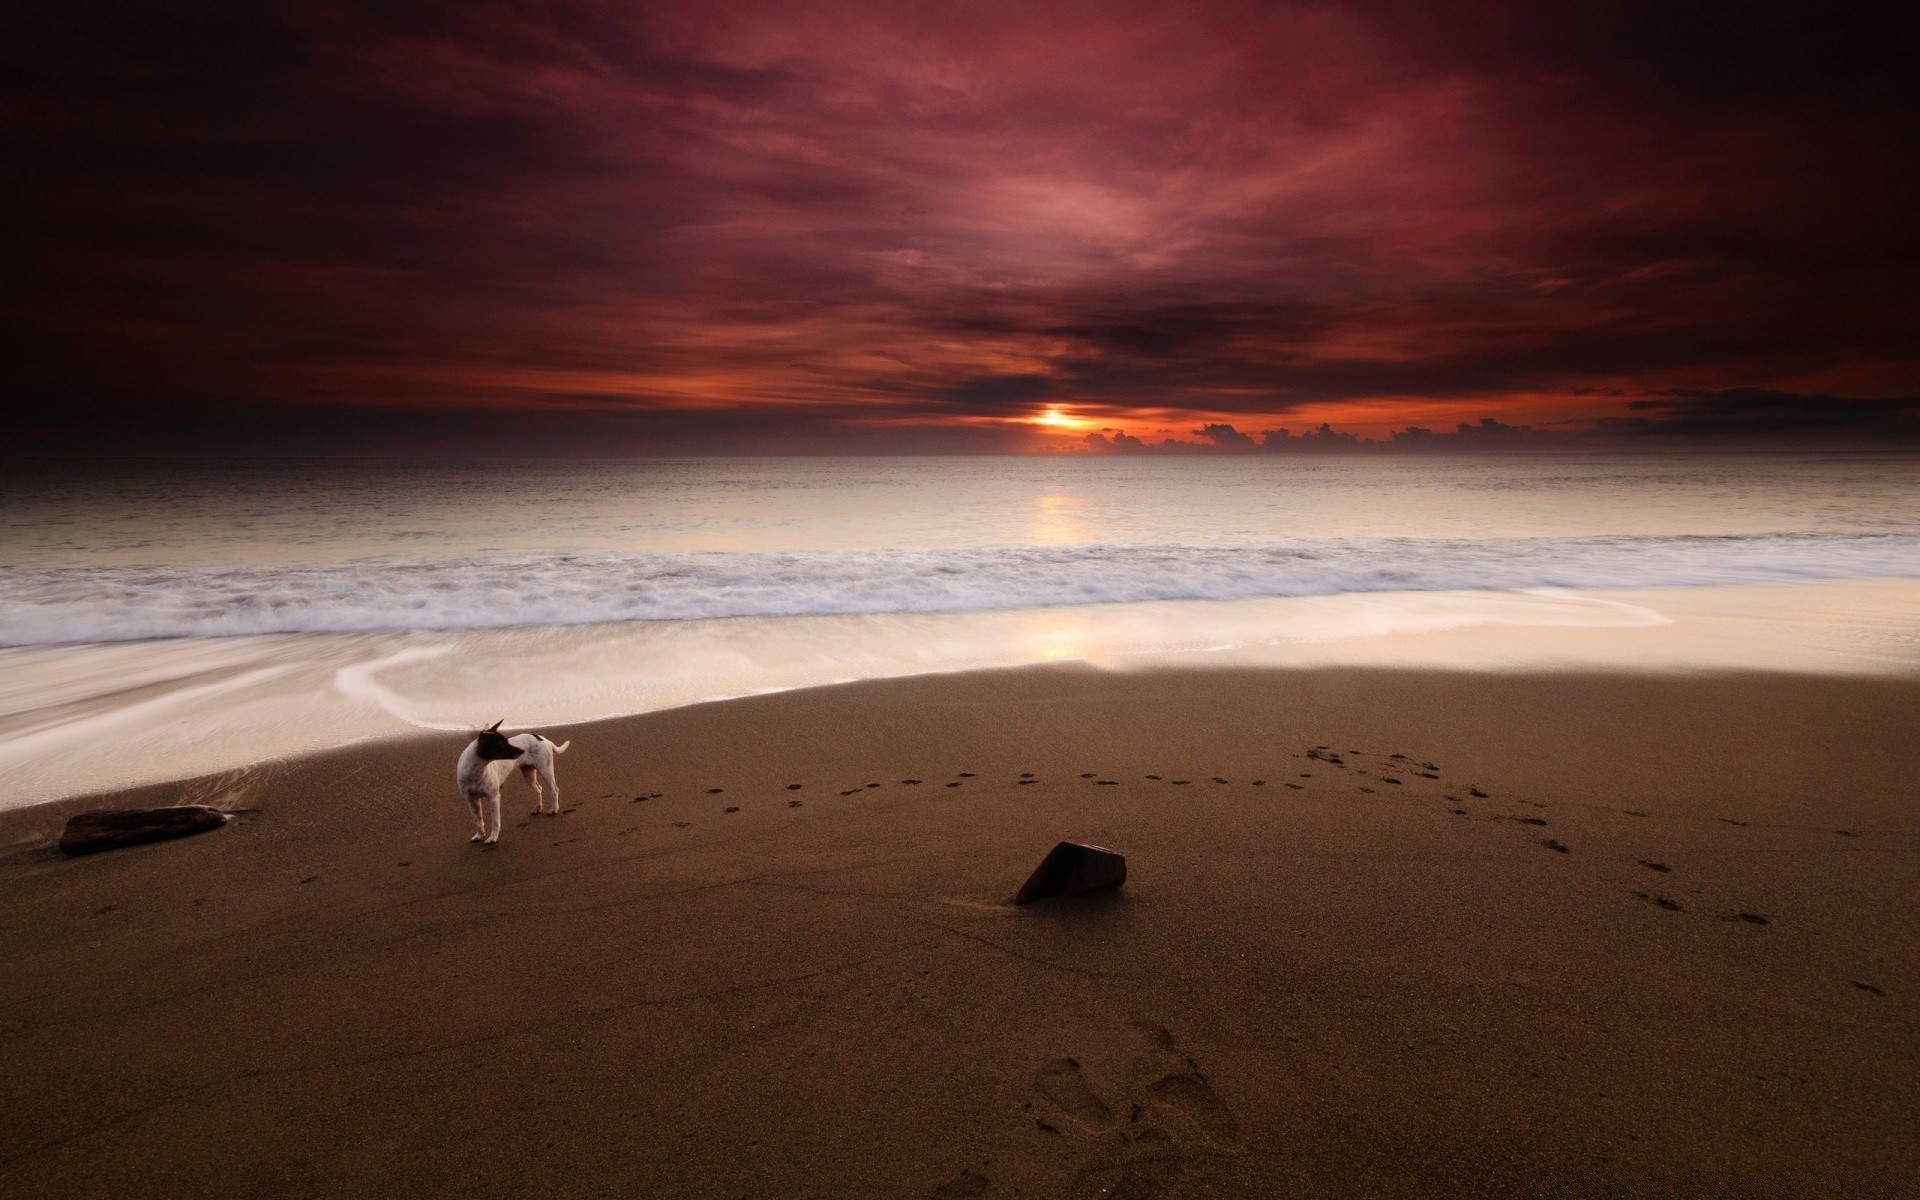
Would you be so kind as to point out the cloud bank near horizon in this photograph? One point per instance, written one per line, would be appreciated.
(841, 226)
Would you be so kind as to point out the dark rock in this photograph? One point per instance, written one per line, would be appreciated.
(1073, 869)
(108, 829)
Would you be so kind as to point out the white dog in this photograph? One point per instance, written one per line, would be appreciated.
(484, 764)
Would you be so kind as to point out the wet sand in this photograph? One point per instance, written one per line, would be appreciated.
(1594, 934)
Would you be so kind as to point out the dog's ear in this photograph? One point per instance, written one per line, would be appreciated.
(495, 727)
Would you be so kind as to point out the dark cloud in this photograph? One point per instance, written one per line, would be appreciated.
(1756, 412)
(1226, 437)
(758, 224)
(1000, 392)
(1115, 441)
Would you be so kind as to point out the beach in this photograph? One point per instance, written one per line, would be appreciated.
(1632, 932)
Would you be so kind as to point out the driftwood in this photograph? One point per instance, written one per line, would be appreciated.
(1072, 869)
(110, 829)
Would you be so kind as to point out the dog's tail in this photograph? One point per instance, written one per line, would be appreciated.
(561, 747)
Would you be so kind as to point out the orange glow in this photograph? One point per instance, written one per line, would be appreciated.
(1054, 418)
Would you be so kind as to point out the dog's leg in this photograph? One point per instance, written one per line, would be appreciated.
(493, 810)
(539, 797)
(479, 819)
(553, 784)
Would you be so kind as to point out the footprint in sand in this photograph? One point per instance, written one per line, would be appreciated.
(1140, 1109)
(1064, 1084)
(1191, 1095)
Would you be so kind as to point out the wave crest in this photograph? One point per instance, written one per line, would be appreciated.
(105, 604)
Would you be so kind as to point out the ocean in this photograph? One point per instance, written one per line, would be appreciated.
(163, 619)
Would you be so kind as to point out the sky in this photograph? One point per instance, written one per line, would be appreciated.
(617, 228)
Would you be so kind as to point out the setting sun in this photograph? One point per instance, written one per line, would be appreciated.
(1053, 418)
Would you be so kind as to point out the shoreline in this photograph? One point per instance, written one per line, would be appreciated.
(184, 708)
(341, 995)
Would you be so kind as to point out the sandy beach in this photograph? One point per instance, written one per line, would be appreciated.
(1634, 934)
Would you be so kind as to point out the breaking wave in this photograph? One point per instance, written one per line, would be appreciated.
(107, 604)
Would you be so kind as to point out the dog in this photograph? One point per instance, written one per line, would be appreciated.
(485, 763)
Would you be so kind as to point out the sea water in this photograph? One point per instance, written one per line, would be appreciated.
(164, 619)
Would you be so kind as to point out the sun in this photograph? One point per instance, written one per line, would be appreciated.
(1053, 418)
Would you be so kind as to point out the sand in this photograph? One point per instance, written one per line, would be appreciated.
(1348, 979)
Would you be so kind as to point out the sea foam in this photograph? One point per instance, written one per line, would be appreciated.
(108, 604)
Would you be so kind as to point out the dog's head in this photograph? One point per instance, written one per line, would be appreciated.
(492, 744)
